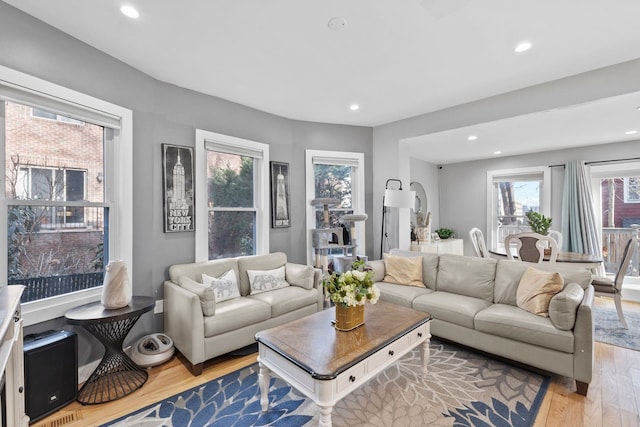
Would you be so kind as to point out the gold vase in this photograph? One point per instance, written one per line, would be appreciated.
(348, 318)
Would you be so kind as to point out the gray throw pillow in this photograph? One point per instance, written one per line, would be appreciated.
(564, 305)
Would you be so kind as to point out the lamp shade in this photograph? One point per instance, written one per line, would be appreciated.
(399, 198)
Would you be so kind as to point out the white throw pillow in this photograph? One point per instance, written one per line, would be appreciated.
(266, 280)
(204, 292)
(224, 287)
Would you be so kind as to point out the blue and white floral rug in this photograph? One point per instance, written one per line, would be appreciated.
(462, 388)
(609, 330)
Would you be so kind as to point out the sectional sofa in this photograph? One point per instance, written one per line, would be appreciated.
(203, 327)
(473, 302)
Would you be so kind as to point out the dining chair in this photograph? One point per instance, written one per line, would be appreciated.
(605, 287)
(530, 247)
(479, 244)
(557, 236)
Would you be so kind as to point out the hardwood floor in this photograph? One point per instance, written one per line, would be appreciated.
(613, 399)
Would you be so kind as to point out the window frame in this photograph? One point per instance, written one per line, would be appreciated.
(545, 197)
(118, 184)
(357, 188)
(261, 192)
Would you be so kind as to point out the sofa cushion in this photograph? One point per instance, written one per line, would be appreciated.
(508, 274)
(564, 304)
(453, 308)
(473, 277)
(286, 300)
(514, 323)
(429, 265)
(399, 294)
(300, 275)
(204, 292)
(535, 290)
(224, 287)
(235, 314)
(257, 262)
(194, 271)
(266, 280)
(403, 270)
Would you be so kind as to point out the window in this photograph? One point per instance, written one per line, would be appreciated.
(511, 194)
(232, 196)
(335, 175)
(632, 189)
(66, 199)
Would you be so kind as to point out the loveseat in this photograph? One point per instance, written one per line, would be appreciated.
(474, 302)
(208, 319)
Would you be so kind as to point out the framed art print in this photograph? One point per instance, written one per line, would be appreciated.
(178, 194)
(280, 204)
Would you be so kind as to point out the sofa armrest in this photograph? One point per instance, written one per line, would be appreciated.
(583, 334)
(184, 321)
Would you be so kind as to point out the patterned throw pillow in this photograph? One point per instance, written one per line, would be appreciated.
(224, 287)
(266, 280)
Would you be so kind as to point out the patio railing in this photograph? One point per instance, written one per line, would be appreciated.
(44, 287)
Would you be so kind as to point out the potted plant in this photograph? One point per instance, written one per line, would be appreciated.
(445, 233)
(350, 291)
(539, 223)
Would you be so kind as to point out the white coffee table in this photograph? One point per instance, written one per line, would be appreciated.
(325, 364)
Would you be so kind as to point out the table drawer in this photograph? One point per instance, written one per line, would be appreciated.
(350, 378)
(388, 354)
(420, 333)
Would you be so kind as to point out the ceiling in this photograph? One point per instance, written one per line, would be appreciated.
(396, 59)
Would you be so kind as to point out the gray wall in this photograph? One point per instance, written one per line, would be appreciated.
(164, 113)
(469, 179)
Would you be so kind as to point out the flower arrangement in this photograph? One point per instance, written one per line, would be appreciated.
(352, 288)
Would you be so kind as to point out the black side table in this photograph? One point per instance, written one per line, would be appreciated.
(117, 375)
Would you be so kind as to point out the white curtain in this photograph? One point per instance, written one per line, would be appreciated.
(579, 227)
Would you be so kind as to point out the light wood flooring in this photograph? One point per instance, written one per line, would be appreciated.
(613, 398)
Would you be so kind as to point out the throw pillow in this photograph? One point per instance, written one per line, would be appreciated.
(300, 275)
(564, 305)
(535, 290)
(403, 270)
(266, 280)
(204, 292)
(224, 287)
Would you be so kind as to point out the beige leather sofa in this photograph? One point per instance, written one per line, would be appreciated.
(473, 302)
(234, 323)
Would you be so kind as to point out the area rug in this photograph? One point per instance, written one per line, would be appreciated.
(609, 330)
(463, 388)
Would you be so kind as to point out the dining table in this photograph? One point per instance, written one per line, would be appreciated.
(569, 259)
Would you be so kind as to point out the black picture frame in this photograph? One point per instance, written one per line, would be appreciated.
(280, 195)
(178, 188)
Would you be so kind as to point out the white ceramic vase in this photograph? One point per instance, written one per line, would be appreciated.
(116, 288)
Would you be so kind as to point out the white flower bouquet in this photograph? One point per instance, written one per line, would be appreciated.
(351, 288)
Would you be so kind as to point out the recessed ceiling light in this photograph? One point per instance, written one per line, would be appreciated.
(495, 153)
(472, 137)
(129, 11)
(354, 107)
(337, 23)
(631, 132)
(523, 47)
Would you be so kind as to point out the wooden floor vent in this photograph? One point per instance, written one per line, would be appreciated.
(62, 420)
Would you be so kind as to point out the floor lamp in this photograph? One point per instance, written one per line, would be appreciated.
(394, 198)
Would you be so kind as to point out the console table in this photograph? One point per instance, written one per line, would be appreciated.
(444, 246)
(117, 375)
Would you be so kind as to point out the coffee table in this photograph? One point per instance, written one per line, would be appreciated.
(326, 364)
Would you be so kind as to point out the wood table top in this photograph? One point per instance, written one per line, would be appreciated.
(313, 344)
(562, 256)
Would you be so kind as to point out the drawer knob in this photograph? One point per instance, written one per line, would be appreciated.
(419, 334)
(352, 378)
(391, 353)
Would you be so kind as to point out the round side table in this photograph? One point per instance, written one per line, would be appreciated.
(117, 375)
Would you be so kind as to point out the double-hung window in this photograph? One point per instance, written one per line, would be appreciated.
(65, 198)
(510, 195)
(334, 175)
(232, 196)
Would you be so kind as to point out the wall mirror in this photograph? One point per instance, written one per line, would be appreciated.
(419, 210)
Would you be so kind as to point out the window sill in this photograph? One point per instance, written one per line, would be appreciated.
(51, 308)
